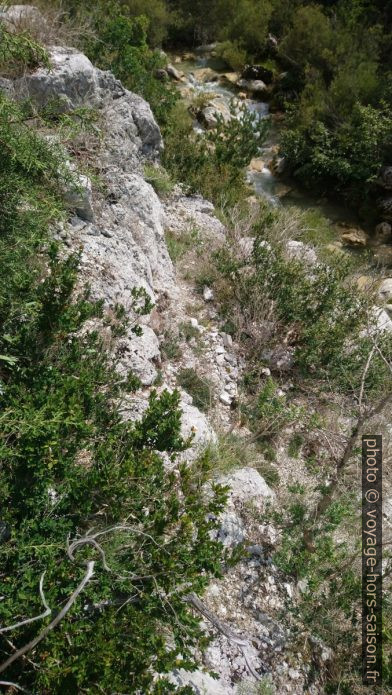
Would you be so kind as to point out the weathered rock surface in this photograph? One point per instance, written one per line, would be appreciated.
(17, 17)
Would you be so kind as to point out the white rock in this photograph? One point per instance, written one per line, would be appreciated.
(208, 294)
(137, 354)
(385, 290)
(301, 252)
(225, 398)
(20, 17)
(201, 683)
(78, 196)
(195, 424)
(227, 340)
(247, 485)
(194, 323)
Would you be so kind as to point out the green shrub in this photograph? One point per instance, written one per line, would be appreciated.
(213, 164)
(233, 54)
(72, 469)
(19, 53)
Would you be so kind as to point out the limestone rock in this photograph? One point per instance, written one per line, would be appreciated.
(216, 108)
(20, 17)
(301, 252)
(230, 77)
(257, 164)
(137, 354)
(201, 683)
(78, 196)
(174, 73)
(71, 82)
(385, 290)
(195, 424)
(354, 237)
(205, 75)
(383, 233)
(247, 485)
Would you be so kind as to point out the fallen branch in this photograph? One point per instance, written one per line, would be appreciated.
(28, 647)
(226, 630)
(47, 611)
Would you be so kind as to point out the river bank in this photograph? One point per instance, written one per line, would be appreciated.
(203, 79)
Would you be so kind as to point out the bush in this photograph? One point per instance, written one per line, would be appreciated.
(213, 163)
(79, 486)
(19, 53)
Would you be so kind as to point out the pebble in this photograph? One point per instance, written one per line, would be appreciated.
(220, 350)
(225, 398)
(208, 294)
(266, 371)
(227, 340)
(220, 359)
(194, 323)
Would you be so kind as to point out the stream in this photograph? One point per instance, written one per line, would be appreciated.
(263, 179)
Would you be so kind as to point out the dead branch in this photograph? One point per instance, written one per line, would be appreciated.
(33, 643)
(226, 630)
(43, 615)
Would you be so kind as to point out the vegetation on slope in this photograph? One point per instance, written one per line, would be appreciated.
(99, 543)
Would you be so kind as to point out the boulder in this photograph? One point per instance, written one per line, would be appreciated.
(247, 485)
(257, 164)
(385, 207)
(205, 75)
(72, 81)
(215, 108)
(195, 424)
(301, 252)
(354, 237)
(174, 73)
(231, 77)
(255, 86)
(383, 233)
(19, 17)
(385, 290)
(385, 178)
(257, 72)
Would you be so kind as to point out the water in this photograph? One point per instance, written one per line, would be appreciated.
(265, 183)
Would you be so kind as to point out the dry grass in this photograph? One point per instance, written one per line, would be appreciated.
(57, 28)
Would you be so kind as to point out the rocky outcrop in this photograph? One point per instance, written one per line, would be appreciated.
(18, 17)
(257, 72)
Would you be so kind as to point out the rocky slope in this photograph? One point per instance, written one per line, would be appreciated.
(120, 230)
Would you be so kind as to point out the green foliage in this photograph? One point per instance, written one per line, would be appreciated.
(19, 53)
(199, 388)
(233, 54)
(70, 464)
(213, 164)
(159, 179)
(348, 157)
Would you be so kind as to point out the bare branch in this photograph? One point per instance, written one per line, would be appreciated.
(47, 611)
(33, 643)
